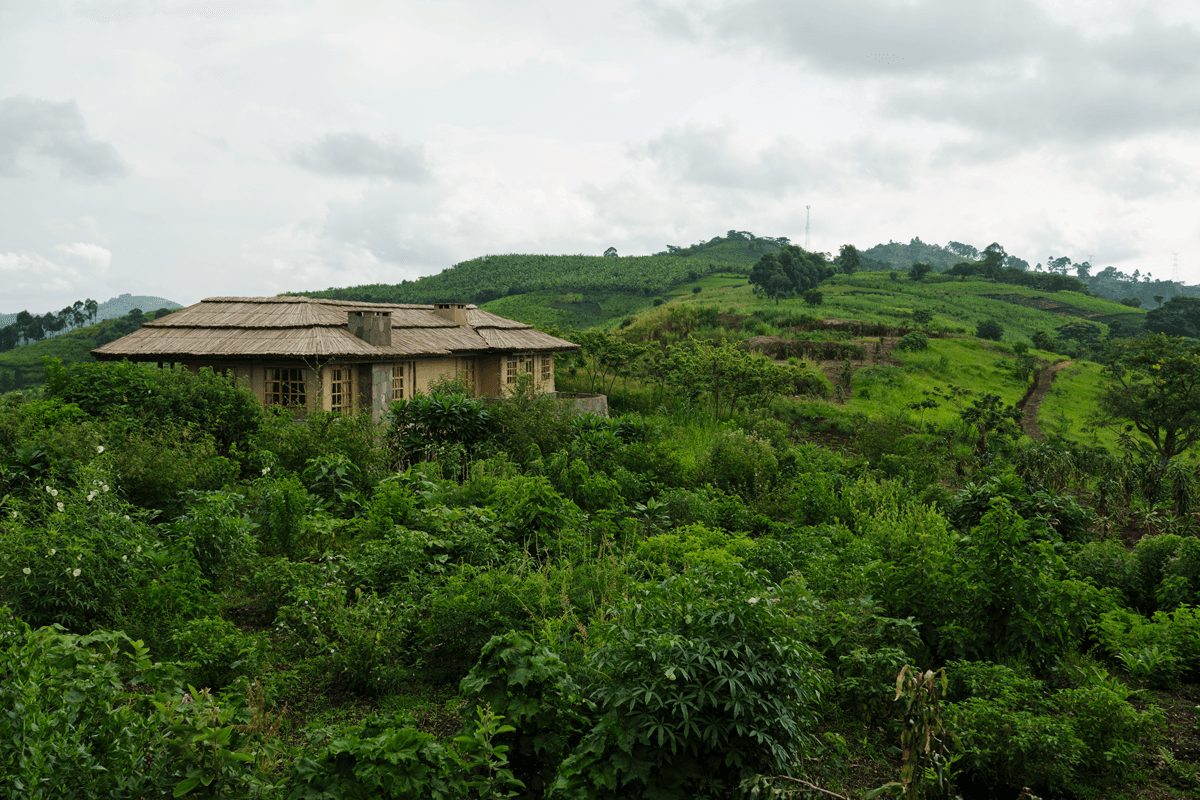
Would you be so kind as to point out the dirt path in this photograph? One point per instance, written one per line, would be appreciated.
(1032, 400)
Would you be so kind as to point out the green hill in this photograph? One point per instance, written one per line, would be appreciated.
(114, 308)
(21, 367)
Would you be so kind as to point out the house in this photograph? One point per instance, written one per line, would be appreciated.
(307, 353)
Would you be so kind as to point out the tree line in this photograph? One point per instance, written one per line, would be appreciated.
(29, 327)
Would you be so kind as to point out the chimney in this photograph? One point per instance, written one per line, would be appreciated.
(455, 312)
(373, 327)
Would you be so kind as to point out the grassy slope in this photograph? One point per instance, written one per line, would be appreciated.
(26, 361)
(885, 390)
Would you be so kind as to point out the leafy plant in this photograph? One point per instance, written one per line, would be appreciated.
(703, 685)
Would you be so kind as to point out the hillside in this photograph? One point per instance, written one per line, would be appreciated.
(21, 367)
(114, 307)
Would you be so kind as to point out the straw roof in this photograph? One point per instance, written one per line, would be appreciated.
(237, 328)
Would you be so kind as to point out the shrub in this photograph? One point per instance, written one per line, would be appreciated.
(741, 462)
(220, 533)
(1014, 732)
(213, 403)
(528, 686)
(154, 465)
(692, 546)
(217, 652)
(990, 329)
(922, 316)
(287, 444)
(93, 716)
(419, 428)
(913, 342)
(1043, 340)
(283, 503)
(705, 685)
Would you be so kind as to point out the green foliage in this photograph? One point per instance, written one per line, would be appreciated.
(922, 316)
(93, 716)
(216, 652)
(527, 685)
(219, 531)
(286, 444)
(1017, 733)
(421, 427)
(1156, 389)
(741, 463)
(333, 480)
(691, 547)
(155, 464)
(381, 758)
(704, 685)
(912, 342)
(213, 403)
(529, 425)
(280, 511)
(1160, 650)
(990, 329)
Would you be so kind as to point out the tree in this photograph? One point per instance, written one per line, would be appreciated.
(993, 260)
(964, 250)
(919, 270)
(848, 259)
(92, 308)
(814, 297)
(1156, 389)
(990, 329)
(610, 252)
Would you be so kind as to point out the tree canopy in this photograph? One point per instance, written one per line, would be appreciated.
(791, 271)
(1155, 389)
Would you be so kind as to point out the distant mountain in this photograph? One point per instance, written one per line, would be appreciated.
(111, 309)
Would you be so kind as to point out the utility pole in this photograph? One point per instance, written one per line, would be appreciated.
(807, 218)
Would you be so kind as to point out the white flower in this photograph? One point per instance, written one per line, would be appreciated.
(266, 470)
(752, 600)
(54, 492)
(52, 551)
(104, 487)
(90, 496)
(100, 449)
(27, 570)
(75, 572)
(59, 505)
(49, 490)
(124, 558)
(139, 547)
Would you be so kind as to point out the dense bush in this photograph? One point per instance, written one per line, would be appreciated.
(704, 685)
(212, 403)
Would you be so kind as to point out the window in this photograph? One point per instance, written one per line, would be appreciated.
(547, 367)
(341, 389)
(518, 365)
(466, 371)
(285, 387)
(404, 380)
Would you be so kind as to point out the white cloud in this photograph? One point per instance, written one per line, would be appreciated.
(93, 255)
(43, 137)
(357, 155)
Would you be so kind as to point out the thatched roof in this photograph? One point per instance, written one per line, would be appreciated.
(237, 328)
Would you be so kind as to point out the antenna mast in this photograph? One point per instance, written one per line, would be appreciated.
(1175, 267)
(807, 217)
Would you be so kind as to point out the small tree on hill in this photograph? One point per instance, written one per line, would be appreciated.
(919, 270)
(990, 329)
(1155, 389)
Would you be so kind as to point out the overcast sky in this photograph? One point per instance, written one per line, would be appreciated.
(186, 148)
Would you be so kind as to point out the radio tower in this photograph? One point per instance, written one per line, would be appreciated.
(1175, 267)
(807, 216)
